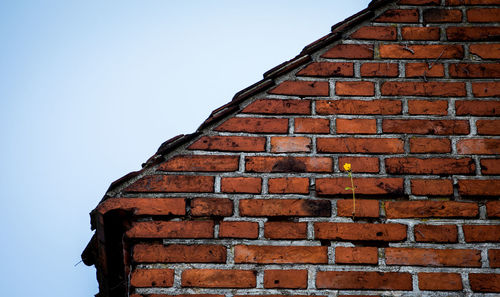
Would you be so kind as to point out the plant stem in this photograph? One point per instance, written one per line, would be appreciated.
(353, 197)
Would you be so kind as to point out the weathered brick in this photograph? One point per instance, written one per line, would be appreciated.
(493, 209)
(254, 125)
(421, 51)
(356, 255)
(379, 69)
(178, 253)
(285, 230)
(289, 185)
(218, 278)
(364, 208)
(286, 144)
(276, 106)
(473, 187)
(420, 2)
(145, 206)
(483, 15)
(211, 207)
(350, 51)
(141, 278)
(432, 187)
(286, 279)
(328, 69)
(431, 88)
(230, 143)
(472, 2)
(430, 209)
(360, 145)
(355, 88)
(359, 231)
(439, 281)
(173, 183)
(239, 229)
(436, 233)
(424, 70)
(486, 89)
(437, 15)
(479, 146)
(252, 185)
(302, 88)
(441, 166)
(494, 258)
(362, 280)
(280, 254)
(375, 32)
(433, 257)
(488, 127)
(360, 164)
(428, 107)
(366, 107)
(432, 127)
(398, 16)
(420, 33)
(364, 186)
(485, 51)
(171, 229)
(468, 70)
(472, 33)
(356, 126)
(288, 164)
(201, 163)
(308, 125)
(430, 145)
(285, 207)
(480, 108)
(485, 282)
(482, 233)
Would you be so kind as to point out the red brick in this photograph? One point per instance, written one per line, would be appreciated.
(218, 278)
(145, 206)
(302, 88)
(486, 51)
(439, 281)
(280, 254)
(436, 233)
(375, 32)
(433, 257)
(172, 229)
(430, 145)
(432, 127)
(284, 207)
(201, 163)
(328, 69)
(422, 51)
(472, 2)
(423, 70)
(432, 187)
(308, 125)
(493, 209)
(350, 51)
(252, 185)
(420, 2)
(230, 143)
(173, 183)
(179, 253)
(254, 125)
(372, 280)
(482, 233)
(211, 207)
(478, 146)
(356, 255)
(355, 88)
(430, 209)
(360, 164)
(432, 88)
(490, 166)
(420, 33)
(360, 145)
(379, 69)
(179, 295)
(399, 16)
(488, 127)
(288, 144)
(483, 15)
(430, 107)
(364, 208)
(479, 187)
(486, 89)
(277, 106)
(288, 164)
(436, 15)
(472, 33)
(285, 230)
(286, 279)
(467, 70)
(348, 106)
(359, 231)
(364, 186)
(440, 166)
(141, 278)
(484, 282)
(239, 230)
(494, 258)
(356, 126)
(289, 185)
(475, 107)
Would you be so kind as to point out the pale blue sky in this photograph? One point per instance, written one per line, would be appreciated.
(90, 89)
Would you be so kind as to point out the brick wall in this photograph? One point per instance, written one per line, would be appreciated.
(257, 204)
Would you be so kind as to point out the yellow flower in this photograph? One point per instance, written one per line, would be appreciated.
(347, 167)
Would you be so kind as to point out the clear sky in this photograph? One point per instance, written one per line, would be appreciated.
(90, 89)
